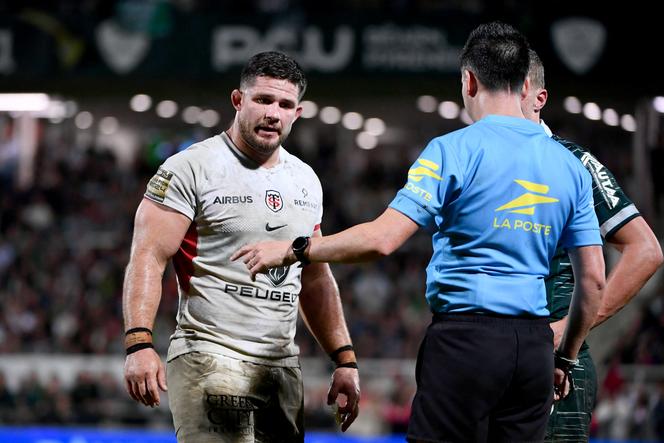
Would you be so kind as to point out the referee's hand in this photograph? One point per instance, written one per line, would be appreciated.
(144, 375)
(345, 381)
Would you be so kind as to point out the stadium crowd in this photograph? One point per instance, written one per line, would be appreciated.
(64, 244)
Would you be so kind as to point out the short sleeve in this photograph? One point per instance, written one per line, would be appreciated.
(612, 206)
(174, 186)
(432, 182)
(582, 228)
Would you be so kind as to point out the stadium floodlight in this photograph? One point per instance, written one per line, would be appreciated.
(449, 110)
(374, 126)
(108, 125)
(209, 118)
(352, 120)
(83, 120)
(427, 103)
(24, 102)
(628, 123)
(366, 141)
(56, 109)
(592, 111)
(572, 105)
(309, 109)
(71, 108)
(611, 117)
(167, 108)
(330, 115)
(140, 103)
(658, 104)
(191, 114)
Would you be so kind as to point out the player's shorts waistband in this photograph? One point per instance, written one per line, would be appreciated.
(490, 318)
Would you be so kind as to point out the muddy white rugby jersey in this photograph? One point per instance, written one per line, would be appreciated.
(232, 202)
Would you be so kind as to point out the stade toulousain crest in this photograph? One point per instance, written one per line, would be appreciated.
(278, 275)
(273, 200)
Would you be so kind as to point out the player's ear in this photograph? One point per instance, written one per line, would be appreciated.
(236, 99)
(540, 99)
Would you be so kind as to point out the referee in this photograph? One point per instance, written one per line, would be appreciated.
(500, 195)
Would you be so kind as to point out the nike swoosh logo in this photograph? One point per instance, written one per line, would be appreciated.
(269, 228)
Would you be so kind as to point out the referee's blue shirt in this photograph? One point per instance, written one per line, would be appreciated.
(500, 195)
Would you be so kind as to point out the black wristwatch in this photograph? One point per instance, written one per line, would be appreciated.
(300, 245)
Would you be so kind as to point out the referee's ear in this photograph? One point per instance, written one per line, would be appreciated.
(470, 82)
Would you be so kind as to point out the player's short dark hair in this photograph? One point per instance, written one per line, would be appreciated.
(498, 56)
(276, 65)
(536, 70)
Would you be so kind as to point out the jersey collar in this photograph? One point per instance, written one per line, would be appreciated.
(546, 128)
(229, 142)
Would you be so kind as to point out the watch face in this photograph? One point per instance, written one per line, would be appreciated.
(300, 243)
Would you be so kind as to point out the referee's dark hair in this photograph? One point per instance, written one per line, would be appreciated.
(498, 56)
(276, 65)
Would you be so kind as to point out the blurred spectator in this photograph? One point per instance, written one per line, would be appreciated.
(91, 400)
(86, 399)
(397, 409)
(644, 344)
(64, 244)
(7, 402)
(9, 150)
(658, 413)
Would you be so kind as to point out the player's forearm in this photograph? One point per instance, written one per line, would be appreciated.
(322, 312)
(142, 290)
(585, 303)
(636, 265)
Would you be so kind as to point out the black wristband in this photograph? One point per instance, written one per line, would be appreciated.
(348, 364)
(334, 354)
(138, 346)
(132, 330)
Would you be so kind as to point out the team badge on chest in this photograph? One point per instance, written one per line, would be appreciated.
(273, 200)
(278, 275)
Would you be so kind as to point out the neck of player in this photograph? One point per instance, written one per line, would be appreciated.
(264, 159)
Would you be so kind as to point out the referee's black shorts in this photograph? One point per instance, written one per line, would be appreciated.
(483, 379)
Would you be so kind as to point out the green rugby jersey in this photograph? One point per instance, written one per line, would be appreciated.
(613, 208)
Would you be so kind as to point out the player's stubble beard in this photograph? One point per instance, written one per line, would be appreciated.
(264, 149)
